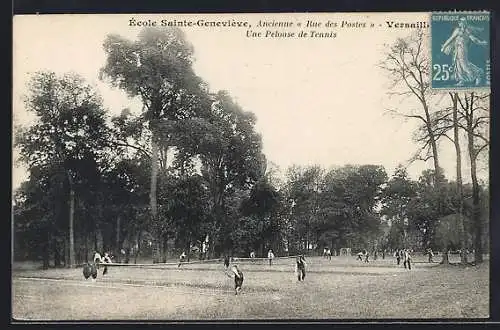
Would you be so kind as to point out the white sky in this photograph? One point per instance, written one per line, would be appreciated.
(317, 101)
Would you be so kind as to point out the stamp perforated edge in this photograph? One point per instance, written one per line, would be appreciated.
(457, 88)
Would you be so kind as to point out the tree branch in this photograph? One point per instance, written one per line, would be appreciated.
(128, 145)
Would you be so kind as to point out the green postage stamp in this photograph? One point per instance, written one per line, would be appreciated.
(460, 50)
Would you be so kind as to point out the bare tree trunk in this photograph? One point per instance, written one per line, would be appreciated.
(154, 202)
(118, 249)
(473, 153)
(138, 247)
(71, 226)
(446, 260)
(432, 141)
(456, 142)
(86, 248)
(164, 250)
(57, 254)
(46, 251)
(476, 216)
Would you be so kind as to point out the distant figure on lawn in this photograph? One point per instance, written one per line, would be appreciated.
(252, 254)
(300, 267)
(106, 260)
(398, 256)
(367, 255)
(329, 254)
(90, 269)
(97, 259)
(238, 278)
(407, 258)
(360, 256)
(227, 259)
(270, 256)
(182, 258)
(324, 252)
(430, 254)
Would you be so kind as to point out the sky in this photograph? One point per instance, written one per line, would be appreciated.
(317, 100)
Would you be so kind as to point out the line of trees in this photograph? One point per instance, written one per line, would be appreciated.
(408, 65)
(190, 165)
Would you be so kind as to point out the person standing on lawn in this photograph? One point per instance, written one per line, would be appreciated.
(300, 267)
(270, 256)
(407, 258)
(398, 256)
(238, 278)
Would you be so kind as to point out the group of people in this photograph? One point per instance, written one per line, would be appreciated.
(234, 270)
(363, 256)
(327, 253)
(405, 256)
(90, 269)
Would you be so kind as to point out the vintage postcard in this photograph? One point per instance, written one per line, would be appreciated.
(291, 166)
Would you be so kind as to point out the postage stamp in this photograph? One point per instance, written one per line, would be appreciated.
(460, 50)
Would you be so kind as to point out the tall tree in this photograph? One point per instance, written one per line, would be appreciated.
(157, 68)
(396, 197)
(475, 111)
(69, 131)
(450, 120)
(229, 150)
(408, 65)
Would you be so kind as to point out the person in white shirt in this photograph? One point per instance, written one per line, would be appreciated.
(238, 278)
(407, 258)
(182, 258)
(97, 259)
(106, 260)
(360, 256)
(329, 254)
(270, 256)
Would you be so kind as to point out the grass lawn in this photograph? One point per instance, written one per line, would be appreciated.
(342, 288)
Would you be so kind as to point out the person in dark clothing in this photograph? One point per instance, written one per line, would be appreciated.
(300, 267)
(398, 257)
(367, 255)
(430, 254)
(407, 258)
(227, 259)
(106, 260)
(238, 278)
(90, 269)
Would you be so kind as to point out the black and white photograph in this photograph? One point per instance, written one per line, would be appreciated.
(277, 166)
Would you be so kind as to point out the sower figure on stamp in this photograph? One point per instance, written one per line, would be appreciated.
(464, 71)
